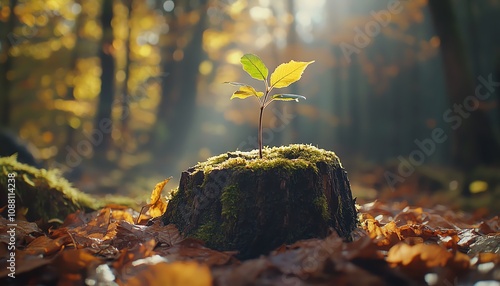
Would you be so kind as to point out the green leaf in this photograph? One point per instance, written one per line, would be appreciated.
(254, 66)
(288, 73)
(246, 91)
(288, 97)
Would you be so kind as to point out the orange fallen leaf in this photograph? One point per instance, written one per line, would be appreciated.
(488, 257)
(75, 260)
(173, 274)
(431, 255)
(158, 205)
(121, 215)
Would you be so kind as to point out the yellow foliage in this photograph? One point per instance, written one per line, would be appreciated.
(158, 205)
(246, 91)
(288, 73)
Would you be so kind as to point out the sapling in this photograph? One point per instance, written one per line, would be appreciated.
(284, 75)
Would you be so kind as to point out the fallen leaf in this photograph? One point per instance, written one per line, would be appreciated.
(158, 205)
(431, 255)
(73, 264)
(173, 274)
(193, 249)
(45, 246)
(24, 263)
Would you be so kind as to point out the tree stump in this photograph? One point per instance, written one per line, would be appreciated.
(44, 193)
(236, 201)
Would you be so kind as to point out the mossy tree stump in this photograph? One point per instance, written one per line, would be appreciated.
(44, 193)
(236, 201)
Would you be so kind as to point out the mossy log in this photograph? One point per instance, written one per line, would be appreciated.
(236, 201)
(44, 194)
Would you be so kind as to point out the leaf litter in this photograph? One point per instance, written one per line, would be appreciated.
(395, 244)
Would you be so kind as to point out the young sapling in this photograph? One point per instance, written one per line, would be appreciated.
(284, 75)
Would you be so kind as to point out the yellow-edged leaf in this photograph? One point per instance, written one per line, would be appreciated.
(246, 91)
(288, 73)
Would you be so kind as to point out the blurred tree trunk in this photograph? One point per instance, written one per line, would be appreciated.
(177, 105)
(6, 65)
(106, 95)
(473, 143)
(75, 55)
(125, 116)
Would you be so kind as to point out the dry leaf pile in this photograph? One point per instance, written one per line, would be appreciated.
(394, 245)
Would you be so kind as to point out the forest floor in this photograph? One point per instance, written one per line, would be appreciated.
(395, 244)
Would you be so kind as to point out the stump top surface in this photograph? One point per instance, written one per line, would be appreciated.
(291, 156)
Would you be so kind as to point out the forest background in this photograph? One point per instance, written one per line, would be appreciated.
(122, 94)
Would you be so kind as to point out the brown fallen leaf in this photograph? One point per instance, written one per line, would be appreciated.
(168, 235)
(193, 249)
(45, 246)
(124, 263)
(75, 260)
(130, 235)
(23, 230)
(73, 264)
(490, 226)
(24, 263)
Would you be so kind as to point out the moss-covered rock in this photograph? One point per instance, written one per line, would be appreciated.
(236, 201)
(44, 193)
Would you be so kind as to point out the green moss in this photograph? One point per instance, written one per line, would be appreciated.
(230, 200)
(210, 233)
(292, 157)
(45, 193)
(322, 205)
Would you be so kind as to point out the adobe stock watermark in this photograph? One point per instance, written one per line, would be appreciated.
(11, 218)
(84, 148)
(371, 29)
(453, 116)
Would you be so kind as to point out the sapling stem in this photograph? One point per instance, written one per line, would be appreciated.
(260, 130)
(262, 107)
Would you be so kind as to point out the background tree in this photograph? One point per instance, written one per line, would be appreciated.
(183, 56)
(474, 142)
(107, 93)
(8, 37)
